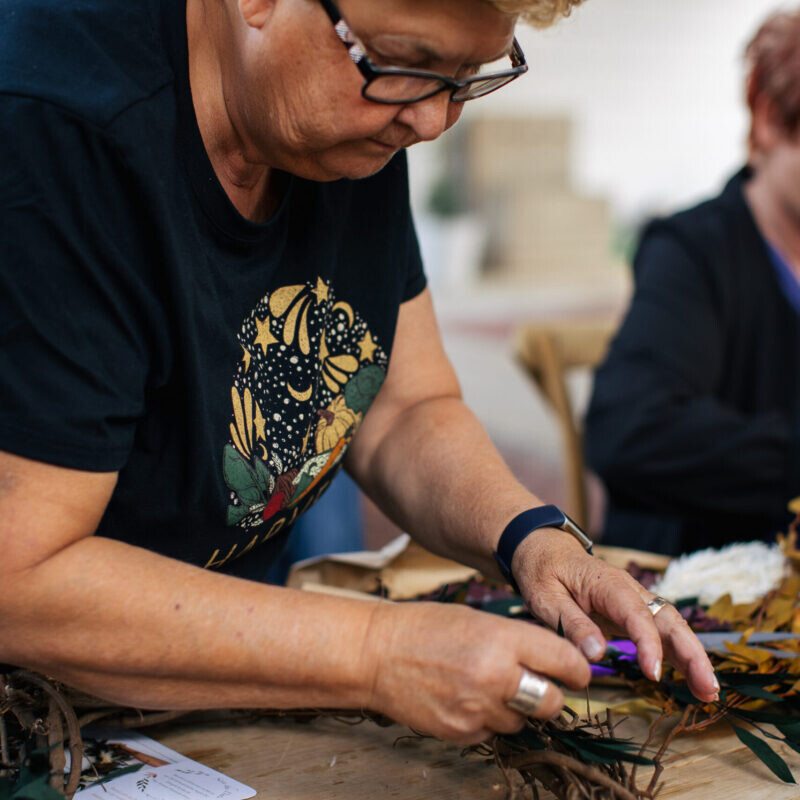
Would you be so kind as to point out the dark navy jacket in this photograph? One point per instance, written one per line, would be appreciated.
(693, 421)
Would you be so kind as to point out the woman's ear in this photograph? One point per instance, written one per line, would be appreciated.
(766, 127)
(255, 13)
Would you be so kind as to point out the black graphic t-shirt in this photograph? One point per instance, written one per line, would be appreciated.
(222, 366)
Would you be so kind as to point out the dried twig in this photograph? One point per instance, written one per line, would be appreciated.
(568, 765)
(44, 707)
(74, 731)
(5, 753)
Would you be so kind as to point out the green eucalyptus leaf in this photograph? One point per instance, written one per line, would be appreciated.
(794, 745)
(602, 753)
(680, 693)
(765, 753)
(735, 679)
(37, 789)
(791, 730)
(529, 738)
(606, 751)
(787, 721)
(613, 659)
(758, 693)
(587, 754)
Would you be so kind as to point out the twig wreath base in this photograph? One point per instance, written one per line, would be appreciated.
(573, 757)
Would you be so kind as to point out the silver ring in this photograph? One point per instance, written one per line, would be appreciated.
(530, 693)
(655, 604)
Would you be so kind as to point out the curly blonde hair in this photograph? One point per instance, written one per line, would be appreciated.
(540, 13)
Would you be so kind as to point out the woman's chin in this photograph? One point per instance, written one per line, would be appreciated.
(353, 161)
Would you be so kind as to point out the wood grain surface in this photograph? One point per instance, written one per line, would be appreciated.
(325, 759)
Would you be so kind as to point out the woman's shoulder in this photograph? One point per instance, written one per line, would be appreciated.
(92, 58)
(707, 225)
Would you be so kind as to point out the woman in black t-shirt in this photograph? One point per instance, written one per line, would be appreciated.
(210, 299)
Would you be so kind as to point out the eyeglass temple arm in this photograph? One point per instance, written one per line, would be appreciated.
(516, 54)
(331, 10)
(346, 36)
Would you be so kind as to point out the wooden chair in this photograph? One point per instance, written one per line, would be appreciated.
(547, 351)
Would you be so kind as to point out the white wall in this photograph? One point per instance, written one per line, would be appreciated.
(655, 91)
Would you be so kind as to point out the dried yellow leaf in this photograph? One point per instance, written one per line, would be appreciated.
(780, 612)
(731, 666)
(752, 655)
(790, 587)
(788, 544)
(721, 609)
(742, 613)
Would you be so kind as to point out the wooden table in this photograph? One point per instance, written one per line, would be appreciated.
(328, 760)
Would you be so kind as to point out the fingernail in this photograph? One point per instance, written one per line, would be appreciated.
(592, 647)
(657, 670)
(716, 684)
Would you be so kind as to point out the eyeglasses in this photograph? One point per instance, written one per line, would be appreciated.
(398, 86)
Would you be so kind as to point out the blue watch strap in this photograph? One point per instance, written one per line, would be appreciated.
(526, 523)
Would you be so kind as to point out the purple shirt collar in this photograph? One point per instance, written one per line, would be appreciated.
(790, 286)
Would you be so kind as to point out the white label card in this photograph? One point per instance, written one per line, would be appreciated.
(125, 765)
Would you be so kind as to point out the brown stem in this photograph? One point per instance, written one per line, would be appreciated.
(20, 703)
(506, 772)
(651, 787)
(572, 787)
(763, 610)
(75, 741)
(650, 734)
(564, 762)
(654, 787)
(55, 742)
(5, 754)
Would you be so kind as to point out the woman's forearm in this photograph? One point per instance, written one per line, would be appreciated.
(459, 494)
(140, 629)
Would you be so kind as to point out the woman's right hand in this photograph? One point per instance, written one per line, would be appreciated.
(449, 671)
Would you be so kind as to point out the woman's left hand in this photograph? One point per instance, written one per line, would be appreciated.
(560, 581)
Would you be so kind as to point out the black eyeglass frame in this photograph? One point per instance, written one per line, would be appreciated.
(370, 71)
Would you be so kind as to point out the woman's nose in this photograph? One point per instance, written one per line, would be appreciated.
(430, 118)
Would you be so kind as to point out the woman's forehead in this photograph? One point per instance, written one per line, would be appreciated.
(437, 29)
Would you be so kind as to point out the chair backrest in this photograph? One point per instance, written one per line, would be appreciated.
(547, 351)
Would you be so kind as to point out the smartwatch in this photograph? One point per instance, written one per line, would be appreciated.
(526, 523)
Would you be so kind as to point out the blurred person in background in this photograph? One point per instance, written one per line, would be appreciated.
(693, 422)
